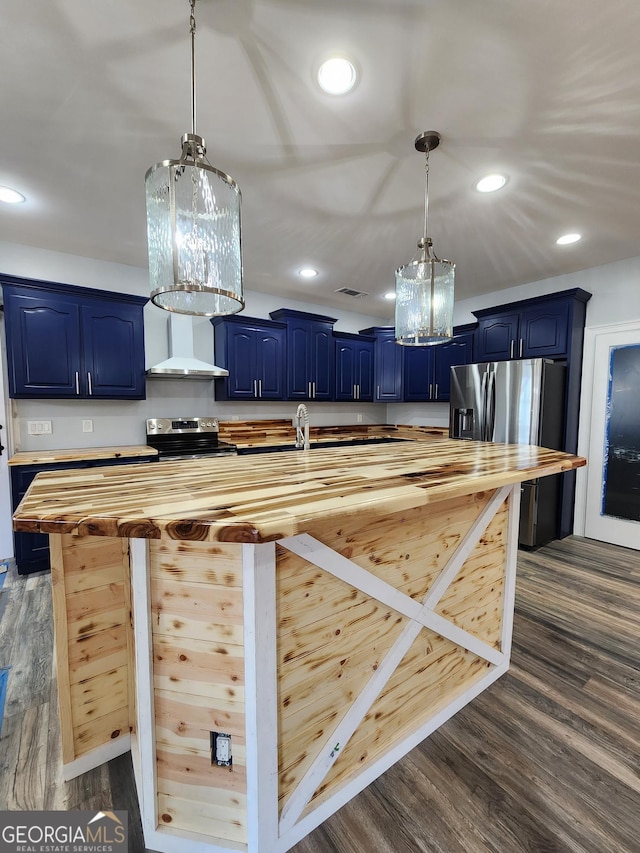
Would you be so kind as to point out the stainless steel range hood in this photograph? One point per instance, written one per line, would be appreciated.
(182, 364)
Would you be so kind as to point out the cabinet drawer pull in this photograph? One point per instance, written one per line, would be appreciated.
(89, 382)
(77, 383)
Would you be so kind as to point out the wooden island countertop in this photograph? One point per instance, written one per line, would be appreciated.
(257, 499)
(318, 613)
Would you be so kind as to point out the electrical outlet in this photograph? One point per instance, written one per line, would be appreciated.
(235, 417)
(359, 418)
(87, 426)
(39, 428)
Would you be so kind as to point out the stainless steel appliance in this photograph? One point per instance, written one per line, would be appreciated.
(186, 438)
(516, 402)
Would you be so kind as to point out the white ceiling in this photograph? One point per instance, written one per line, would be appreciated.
(548, 92)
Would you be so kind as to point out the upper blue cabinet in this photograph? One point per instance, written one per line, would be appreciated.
(539, 327)
(354, 367)
(310, 354)
(253, 351)
(427, 370)
(73, 342)
(388, 364)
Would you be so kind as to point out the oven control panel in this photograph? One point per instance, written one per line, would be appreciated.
(181, 426)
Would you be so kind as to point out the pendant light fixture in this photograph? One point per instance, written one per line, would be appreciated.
(193, 227)
(424, 287)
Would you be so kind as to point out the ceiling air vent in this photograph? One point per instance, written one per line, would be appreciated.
(349, 292)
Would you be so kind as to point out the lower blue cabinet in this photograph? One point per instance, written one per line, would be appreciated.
(32, 549)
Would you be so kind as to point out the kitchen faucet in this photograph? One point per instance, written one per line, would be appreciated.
(302, 417)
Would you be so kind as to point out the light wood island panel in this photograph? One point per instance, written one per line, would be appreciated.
(327, 609)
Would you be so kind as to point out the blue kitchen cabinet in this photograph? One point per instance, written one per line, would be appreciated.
(533, 328)
(73, 342)
(496, 336)
(253, 351)
(310, 367)
(388, 364)
(32, 549)
(427, 370)
(354, 367)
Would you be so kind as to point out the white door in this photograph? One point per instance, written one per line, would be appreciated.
(6, 536)
(612, 503)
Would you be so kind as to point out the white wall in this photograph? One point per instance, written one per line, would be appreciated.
(122, 422)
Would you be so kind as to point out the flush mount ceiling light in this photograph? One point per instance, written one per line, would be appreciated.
(193, 227)
(424, 287)
(567, 239)
(337, 76)
(10, 196)
(491, 183)
(307, 272)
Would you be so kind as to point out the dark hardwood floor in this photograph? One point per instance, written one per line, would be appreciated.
(546, 761)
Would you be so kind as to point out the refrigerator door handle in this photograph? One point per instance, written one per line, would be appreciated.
(491, 407)
(483, 421)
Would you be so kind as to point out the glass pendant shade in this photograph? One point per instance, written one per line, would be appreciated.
(193, 231)
(424, 300)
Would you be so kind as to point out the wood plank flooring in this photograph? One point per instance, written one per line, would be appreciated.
(545, 761)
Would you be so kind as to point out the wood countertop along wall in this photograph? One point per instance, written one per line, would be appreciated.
(259, 499)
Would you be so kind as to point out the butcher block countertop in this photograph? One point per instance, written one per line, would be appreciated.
(251, 499)
(80, 454)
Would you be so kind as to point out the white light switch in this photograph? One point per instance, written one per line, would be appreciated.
(87, 426)
(39, 427)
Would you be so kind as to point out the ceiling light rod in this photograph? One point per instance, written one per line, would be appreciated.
(193, 227)
(424, 287)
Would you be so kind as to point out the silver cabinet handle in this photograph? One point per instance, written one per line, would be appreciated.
(435, 396)
(89, 381)
(355, 392)
(358, 387)
(521, 347)
(309, 391)
(77, 383)
(430, 391)
(259, 387)
(378, 393)
(511, 349)
(314, 390)
(255, 387)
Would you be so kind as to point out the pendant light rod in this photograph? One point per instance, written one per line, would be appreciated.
(426, 142)
(192, 26)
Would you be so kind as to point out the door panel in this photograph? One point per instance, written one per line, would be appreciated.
(113, 344)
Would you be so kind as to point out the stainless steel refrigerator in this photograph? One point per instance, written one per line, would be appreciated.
(516, 402)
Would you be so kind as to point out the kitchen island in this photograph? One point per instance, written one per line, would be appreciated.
(269, 635)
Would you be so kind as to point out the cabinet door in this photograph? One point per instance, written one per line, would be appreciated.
(299, 360)
(241, 359)
(497, 337)
(459, 351)
(544, 330)
(322, 362)
(388, 361)
(418, 374)
(346, 368)
(43, 345)
(364, 370)
(31, 549)
(270, 350)
(113, 346)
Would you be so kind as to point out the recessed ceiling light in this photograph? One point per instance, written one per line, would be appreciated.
(337, 76)
(566, 239)
(307, 272)
(11, 196)
(390, 295)
(491, 183)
